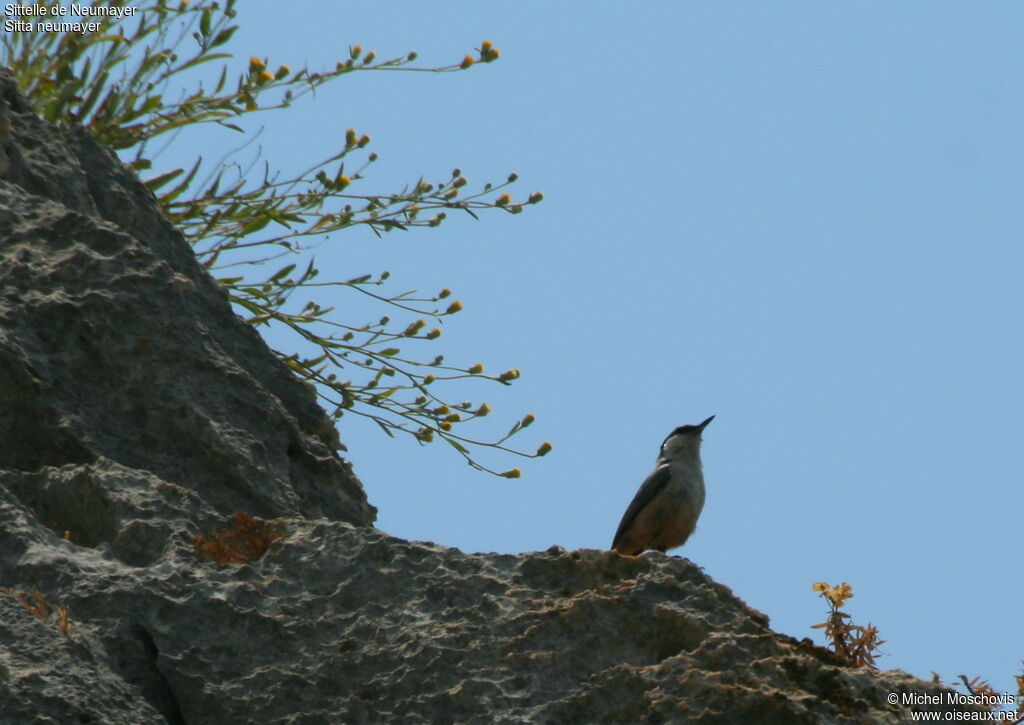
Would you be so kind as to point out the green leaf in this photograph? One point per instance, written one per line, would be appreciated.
(157, 181)
(283, 272)
(256, 224)
(456, 445)
(223, 36)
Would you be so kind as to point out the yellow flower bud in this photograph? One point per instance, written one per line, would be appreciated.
(477, 368)
(528, 419)
(434, 334)
(536, 197)
(545, 448)
(283, 72)
(446, 426)
(364, 140)
(488, 52)
(355, 51)
(350, 137)
(453, 418)
(343, 181)
(442, 410)
(256, 65)
(514, 473)
(266, 76)
(503, 200)
(467, 62)
(483, 410)
(443, 293)
(454, 307)
(414, 328)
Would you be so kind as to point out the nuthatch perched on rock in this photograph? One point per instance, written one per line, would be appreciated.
(664, 511)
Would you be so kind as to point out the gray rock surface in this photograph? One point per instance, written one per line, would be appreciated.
(115, 343)
(136, 412)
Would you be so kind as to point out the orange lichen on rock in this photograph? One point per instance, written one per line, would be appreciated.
(246, 541)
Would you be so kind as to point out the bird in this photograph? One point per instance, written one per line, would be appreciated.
(664, 511)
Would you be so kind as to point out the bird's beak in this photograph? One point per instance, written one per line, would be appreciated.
(704, 425)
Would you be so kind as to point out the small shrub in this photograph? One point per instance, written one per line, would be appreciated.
(851, 642)
(38, 604)
(983, 695)
(246, 540)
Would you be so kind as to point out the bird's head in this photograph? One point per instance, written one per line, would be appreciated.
(683, 441)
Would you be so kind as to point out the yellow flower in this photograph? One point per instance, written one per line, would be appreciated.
(503, 200)
(488, 52)
(446, 426)
(454, 307)
(477, 368)
(483, 410)
(467, 62)
(256, 65)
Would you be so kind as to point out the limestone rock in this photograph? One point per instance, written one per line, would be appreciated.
(116, 344)
(137, 412)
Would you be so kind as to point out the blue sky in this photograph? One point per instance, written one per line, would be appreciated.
(803, 218)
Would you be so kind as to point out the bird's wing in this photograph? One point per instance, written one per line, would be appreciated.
(648, 490)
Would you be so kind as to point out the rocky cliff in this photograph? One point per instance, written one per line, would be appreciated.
(137, 413)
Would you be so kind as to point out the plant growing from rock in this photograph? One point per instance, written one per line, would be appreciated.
(851, 642)
(40, 606)
(122, 83)
(245, 540)
(859, 646)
